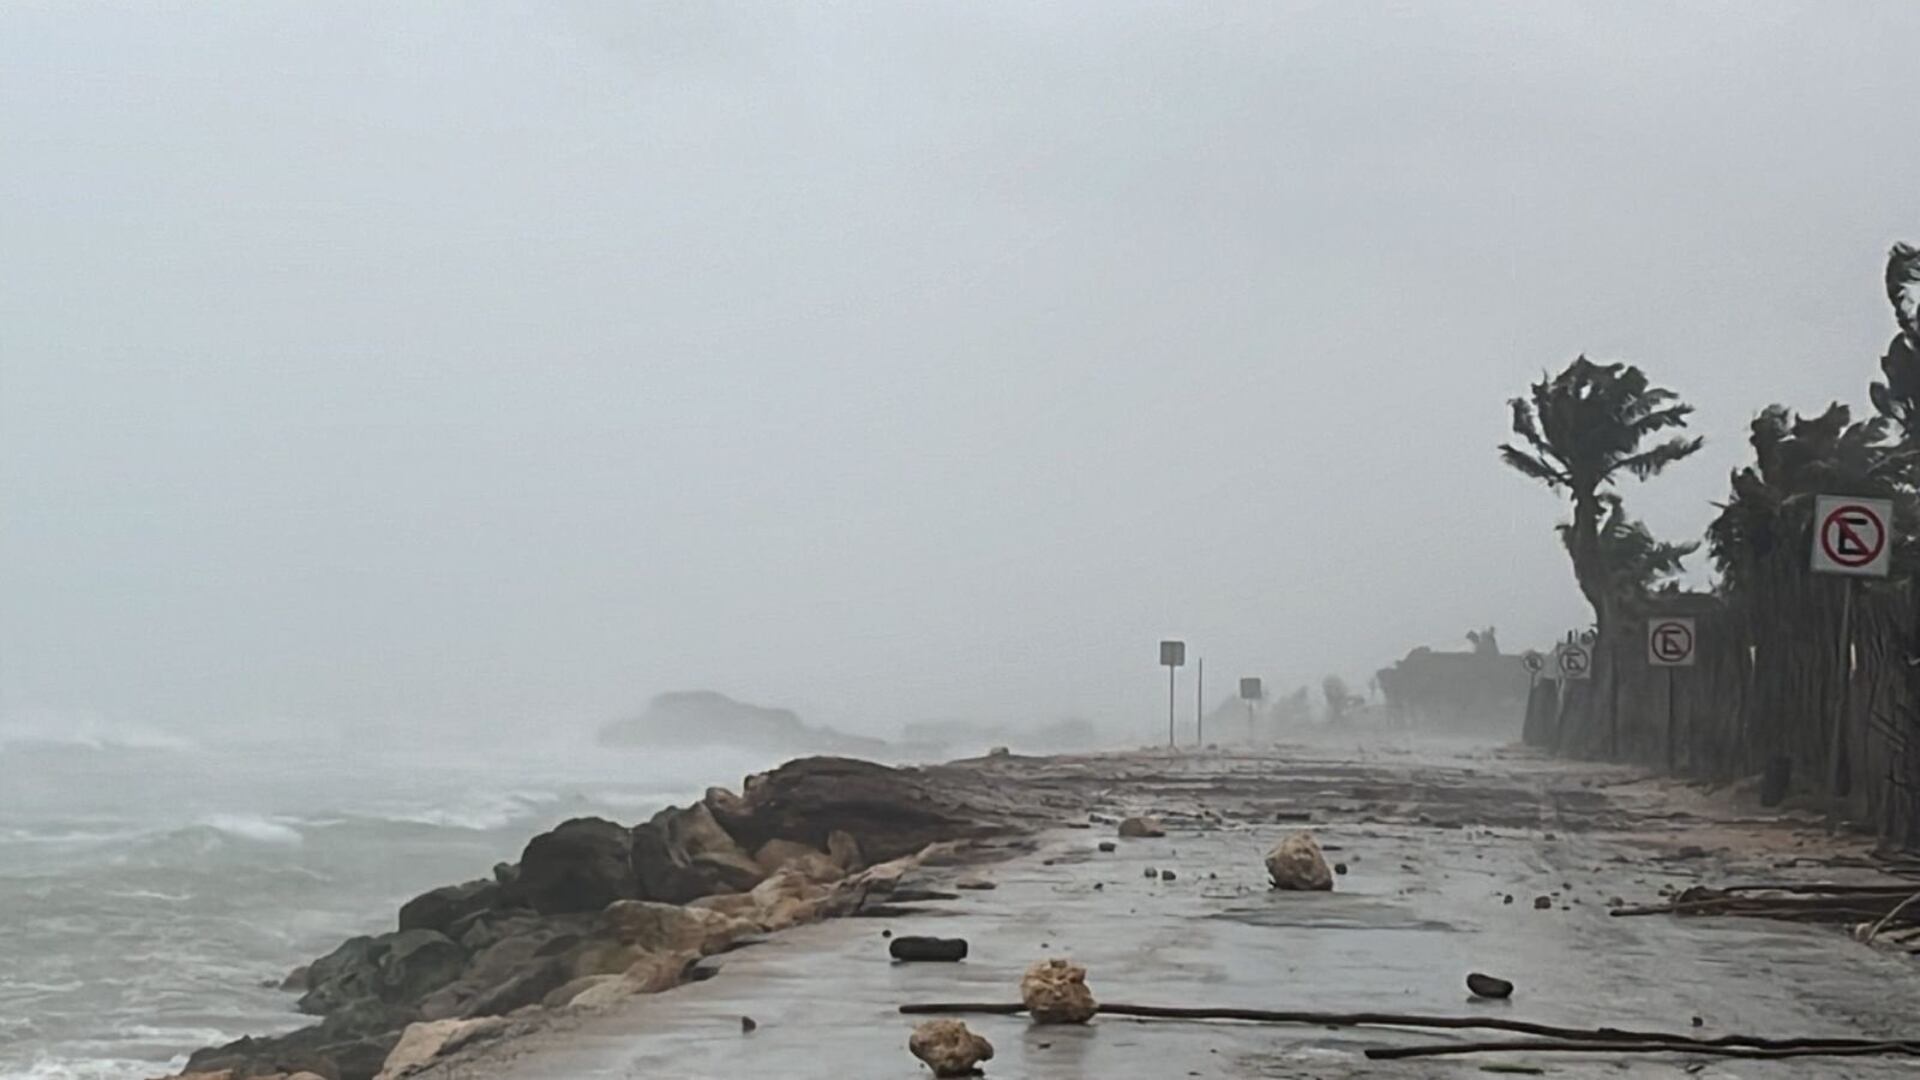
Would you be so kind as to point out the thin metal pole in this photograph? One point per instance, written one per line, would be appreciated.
(1672, 739)
(1169, 706)
(1613, 699)
(1846, 706)
(1200, 705)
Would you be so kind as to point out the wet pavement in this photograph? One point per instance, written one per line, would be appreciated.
(1434, 844)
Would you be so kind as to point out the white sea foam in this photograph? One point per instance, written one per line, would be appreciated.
(51, 1068)
(261, 830)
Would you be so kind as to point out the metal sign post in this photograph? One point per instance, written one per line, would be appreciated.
(1250, 692)
(1576, 661)
(1671, 644)
(1173, 655)
(1200, 703)
(1851, 537)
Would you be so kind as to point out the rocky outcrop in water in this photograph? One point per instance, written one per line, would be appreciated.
(595, 912)
(689, 718)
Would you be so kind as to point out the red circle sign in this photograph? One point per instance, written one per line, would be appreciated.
(1672, 642)
(1852, 535)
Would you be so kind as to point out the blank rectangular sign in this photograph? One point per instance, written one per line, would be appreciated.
(1173, 653)
(1250, 689)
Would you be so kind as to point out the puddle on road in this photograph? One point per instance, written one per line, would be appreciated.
(1331, 913)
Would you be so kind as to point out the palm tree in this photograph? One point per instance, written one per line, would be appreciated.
(1582, 430)
(1759, 543)
(1637, 563)
(1898, 399)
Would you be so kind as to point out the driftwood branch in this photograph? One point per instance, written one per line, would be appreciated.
(1811, 1048)
(1551, 1037)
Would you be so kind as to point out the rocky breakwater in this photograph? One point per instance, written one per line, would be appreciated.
(595, 912)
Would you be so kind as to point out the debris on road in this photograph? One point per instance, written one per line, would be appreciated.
(1870, 909)
(949, 1047)
(1489, 986)
(1296, 864)
(1054, 991)
(932, 949)
(1547, 1037)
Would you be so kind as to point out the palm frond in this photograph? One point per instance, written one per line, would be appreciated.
(1532, 465)
(1651, 462)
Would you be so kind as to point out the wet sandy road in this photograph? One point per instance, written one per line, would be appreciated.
(1422, 905)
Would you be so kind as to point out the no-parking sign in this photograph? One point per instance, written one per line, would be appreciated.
(1671, 642)
(1852, 536)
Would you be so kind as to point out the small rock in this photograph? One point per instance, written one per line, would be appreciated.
(915, 948)
(975, 884)
(1055, 992)
(747, 1025)
(1549, 836)
(1151, 872)
(949, 1048)
(1507, 899)
(1108, 845)
(1166, 875)
(1542, 903)
(1340, 868)
(1098, 885)
(1141, 828)
(1699, 1021)
(886, 933)
(1489, 986)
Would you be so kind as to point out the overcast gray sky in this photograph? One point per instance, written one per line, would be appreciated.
(491, 363)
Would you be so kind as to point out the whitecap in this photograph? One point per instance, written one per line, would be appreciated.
(50, 1068)
(261, 830)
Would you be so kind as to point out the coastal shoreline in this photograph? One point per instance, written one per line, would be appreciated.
(1415, 825)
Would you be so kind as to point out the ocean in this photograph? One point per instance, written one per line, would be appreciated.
(154, 890)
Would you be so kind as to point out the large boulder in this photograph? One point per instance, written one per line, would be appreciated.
(670, 927)
(684, 854)
(390, 971)
(533, 941)
(788, 898)
(441, 908)
(809, 862)
(321, 1049)
(529, 987)
(949, 1047)
(1297, 864)
(417, 962)
(581, 865)
(421, 1043)
(1055, 992)
(886, 812)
